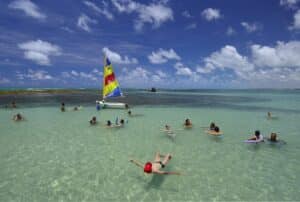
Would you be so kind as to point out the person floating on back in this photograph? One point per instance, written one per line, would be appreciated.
(155, 166)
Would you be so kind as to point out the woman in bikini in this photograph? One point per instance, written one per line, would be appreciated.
(155, 166)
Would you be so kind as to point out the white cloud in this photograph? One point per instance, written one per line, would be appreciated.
(39, 51)
(89, 76)
(162, 56)
(251, 27)
(84, 21)
(182, 70)
(155, 13)
(227, 58)
(117, 58)
(282, 55)
(103, 11)
(74, 73)
(28, 7)
(296, 24)
(161, 74)
(277, 66)
(186, 14)
(4, 80)
(289, 3)
(191, 26)
(211, 14)
(67, 29)
(230, 31)
(34, 75)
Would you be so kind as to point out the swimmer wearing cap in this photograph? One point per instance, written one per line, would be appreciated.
(155, 166)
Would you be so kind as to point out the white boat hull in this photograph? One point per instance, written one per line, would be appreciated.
(112, 105)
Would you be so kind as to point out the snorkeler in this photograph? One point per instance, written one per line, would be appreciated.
(155, 166)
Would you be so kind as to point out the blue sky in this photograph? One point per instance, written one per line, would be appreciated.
(161, 43)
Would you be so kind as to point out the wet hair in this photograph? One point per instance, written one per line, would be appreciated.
(126, 106)
(257, 133)
(108, 123)
(129, 112)
(94, 118)
(187, 122)
(273, 137)
(63, 104)
(217, 129)
(122, 121)
(212, 126)
(19, 116)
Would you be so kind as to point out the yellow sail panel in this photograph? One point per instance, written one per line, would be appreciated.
(110, 84)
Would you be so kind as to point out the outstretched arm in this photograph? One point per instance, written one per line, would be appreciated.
(137, 163)
(168, 173)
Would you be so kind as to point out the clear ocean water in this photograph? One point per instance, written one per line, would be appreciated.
(55, 156)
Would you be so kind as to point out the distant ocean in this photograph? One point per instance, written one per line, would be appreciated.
(56, 156)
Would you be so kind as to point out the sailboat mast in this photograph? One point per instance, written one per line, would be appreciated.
(103, 77)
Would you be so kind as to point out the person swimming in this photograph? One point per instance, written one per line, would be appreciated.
(156, 166)
(120, 124)
(108, 123)
(188, 123)
(273, 137)
(214, 131)
(212, 126)
(257, 136)
(93, 121)
(18, 117)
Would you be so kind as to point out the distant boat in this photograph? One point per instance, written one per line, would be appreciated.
(111, 88)
(153, 90)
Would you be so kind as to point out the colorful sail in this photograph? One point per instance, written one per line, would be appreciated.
(110, 84)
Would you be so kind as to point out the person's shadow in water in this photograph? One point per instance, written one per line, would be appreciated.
(156, 182)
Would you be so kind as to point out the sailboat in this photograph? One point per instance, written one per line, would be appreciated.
(111, 88)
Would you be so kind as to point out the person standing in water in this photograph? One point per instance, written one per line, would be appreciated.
(62, 107)
(155, 166)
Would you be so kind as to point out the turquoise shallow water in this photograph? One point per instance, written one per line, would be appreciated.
(55, 156)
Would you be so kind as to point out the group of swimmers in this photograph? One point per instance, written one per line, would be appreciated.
(108, 124)
(63, 107)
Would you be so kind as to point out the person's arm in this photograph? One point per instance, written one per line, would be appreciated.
(136, 163)
(167, 173)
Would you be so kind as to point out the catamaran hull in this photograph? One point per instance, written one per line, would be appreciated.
(112, 105)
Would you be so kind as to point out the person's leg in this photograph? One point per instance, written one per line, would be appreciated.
(166, 159)
(157, 157)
